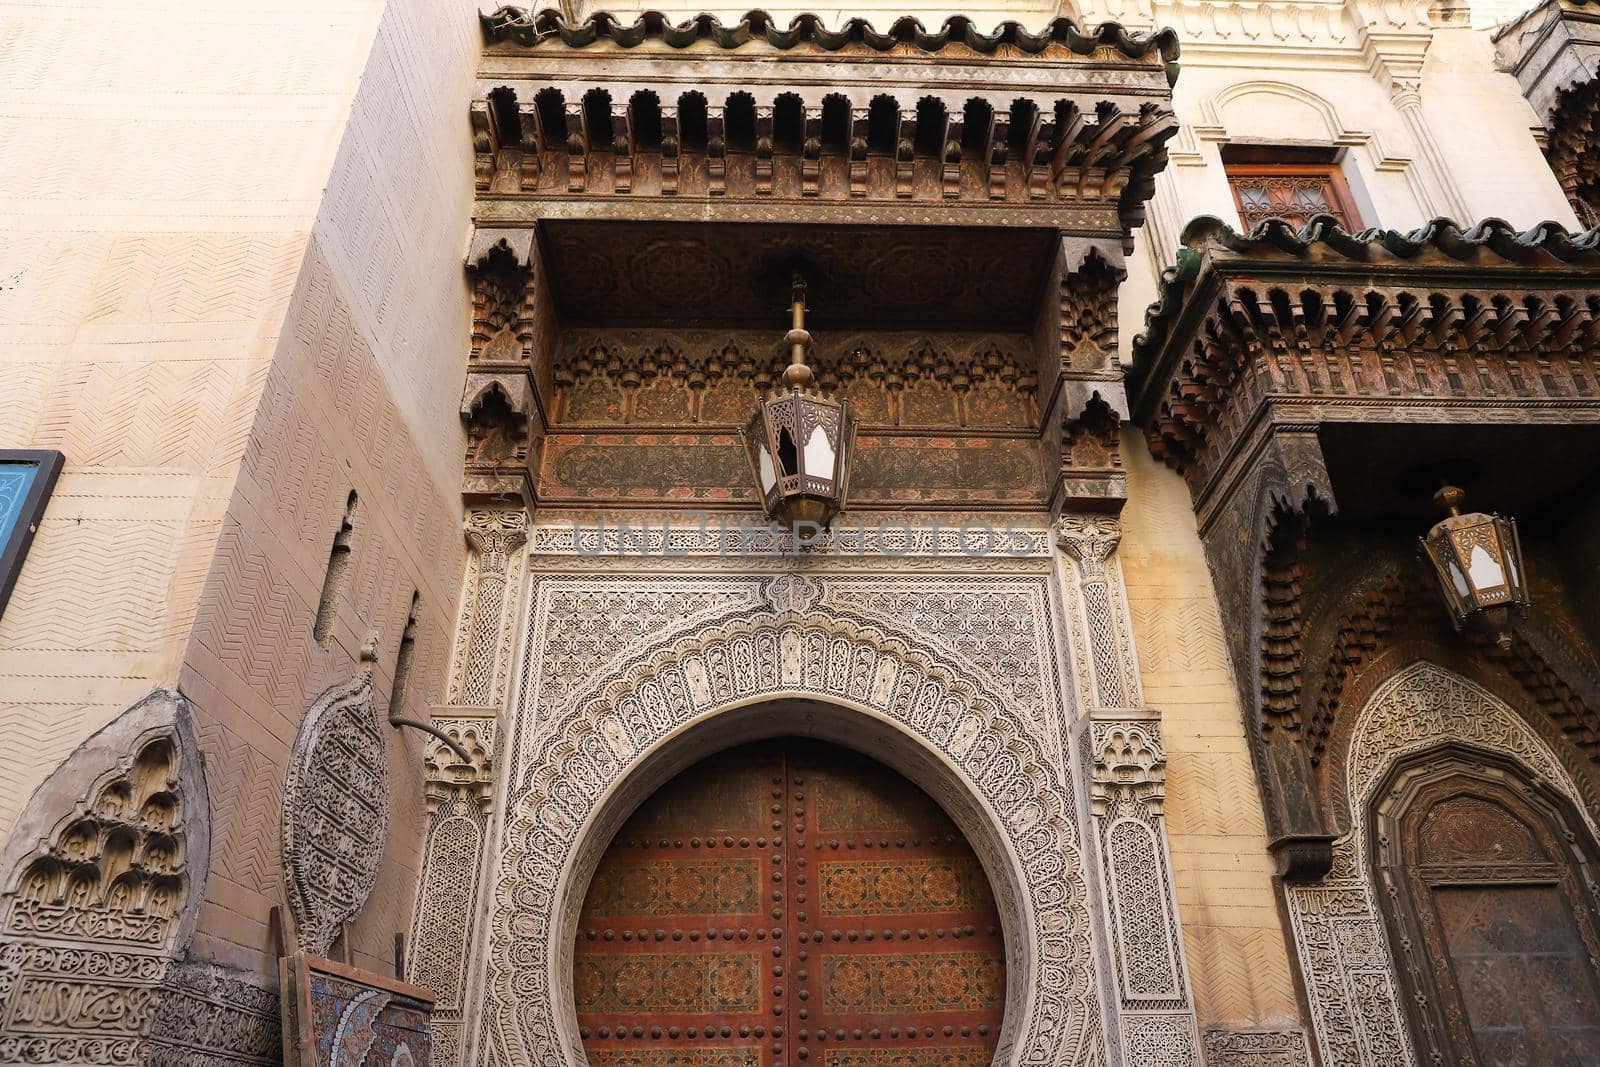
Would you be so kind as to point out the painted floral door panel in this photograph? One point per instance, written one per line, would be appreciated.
(789, 903)
(1507, 930)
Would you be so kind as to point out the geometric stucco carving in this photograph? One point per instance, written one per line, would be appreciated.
(103, 879)
(1346, 958)
(581, 748)
(1257, 1048)
(458, 796)
(1090, 541)
(483, 641)
(335, 812)
(1125, 766)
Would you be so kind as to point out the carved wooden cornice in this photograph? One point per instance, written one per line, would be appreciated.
(1320, 325)
(985, 126)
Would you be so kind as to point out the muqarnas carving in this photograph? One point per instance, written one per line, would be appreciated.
(104, 876)
(114, 873)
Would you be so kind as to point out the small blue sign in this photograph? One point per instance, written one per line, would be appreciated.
(15, 481)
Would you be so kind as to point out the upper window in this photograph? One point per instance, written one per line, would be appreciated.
(1288, 184)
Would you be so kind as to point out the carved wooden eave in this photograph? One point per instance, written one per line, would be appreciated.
(1281, 331)
(1060, 127)
(1266, 346)
(653, 174)
(1554, 53)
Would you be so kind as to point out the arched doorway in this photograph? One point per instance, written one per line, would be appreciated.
(783, 903)
(1494, 916)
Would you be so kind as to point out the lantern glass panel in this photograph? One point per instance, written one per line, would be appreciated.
(769, 474)
(819, 454)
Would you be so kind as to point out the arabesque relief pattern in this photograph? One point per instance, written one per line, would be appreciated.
(1347, 961)
(335, 812)
(1125, 766)
(601, 686)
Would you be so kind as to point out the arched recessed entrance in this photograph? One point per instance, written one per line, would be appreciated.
(1496, 917)
(789, 902)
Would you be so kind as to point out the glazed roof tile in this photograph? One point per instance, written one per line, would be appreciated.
(1323, 244)
(526, 27)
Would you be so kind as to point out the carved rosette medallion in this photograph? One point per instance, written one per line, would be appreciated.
(335, 812)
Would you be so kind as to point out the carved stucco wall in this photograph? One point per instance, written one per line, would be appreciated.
(959, 671)
(145, 273)
(231, 292)
(1233, 936)
(361, 395)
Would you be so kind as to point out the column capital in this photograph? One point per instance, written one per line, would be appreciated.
(494, 533)
(1127, 759)
(1089, 538)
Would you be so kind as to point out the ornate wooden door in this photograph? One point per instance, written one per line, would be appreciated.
(789, 903)
(1502, 926)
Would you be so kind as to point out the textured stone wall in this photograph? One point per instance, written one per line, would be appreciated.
(361, 396)
(231, 293)
(159, 171)
(1232, 934)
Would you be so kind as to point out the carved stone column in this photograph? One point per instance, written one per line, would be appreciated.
(484, 638)
(458, 795)
(1090, 540)
(1124, 762)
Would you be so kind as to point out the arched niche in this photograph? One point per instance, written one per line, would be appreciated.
(578, 774)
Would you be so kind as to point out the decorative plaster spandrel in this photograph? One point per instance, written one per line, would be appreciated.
(1000, 628)
(614, 665)
(575, 627)
(335, 812)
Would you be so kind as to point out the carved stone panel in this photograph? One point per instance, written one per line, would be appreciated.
(335, 812)
(617, 666)
(102, 881)
(1256, 1048)
(448, 891)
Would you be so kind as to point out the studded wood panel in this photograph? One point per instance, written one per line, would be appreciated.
(789, 903)
(1507, 929)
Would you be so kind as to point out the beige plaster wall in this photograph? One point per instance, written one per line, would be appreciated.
(231, 290)
(160, 167)
(1484, 127)
(1233, 939)
(363, 394)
